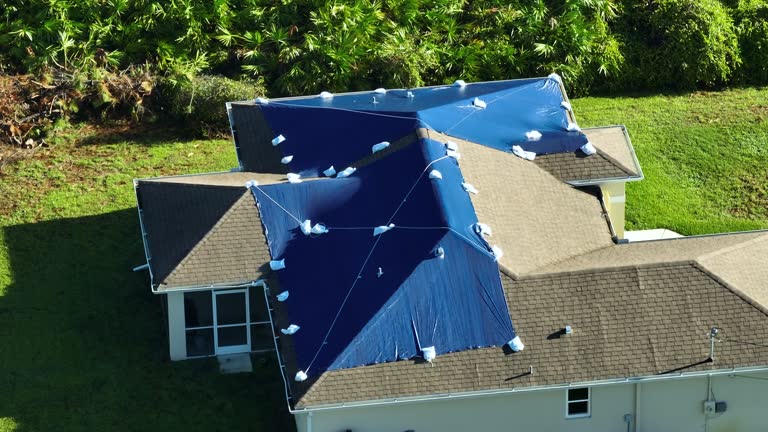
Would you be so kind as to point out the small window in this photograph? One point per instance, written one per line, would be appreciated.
(577, 402)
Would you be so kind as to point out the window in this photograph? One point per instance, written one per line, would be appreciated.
(577, 402)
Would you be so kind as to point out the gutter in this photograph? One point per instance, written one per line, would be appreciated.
(596, 182)
(144, 240)
(190, 288)
(477, 394)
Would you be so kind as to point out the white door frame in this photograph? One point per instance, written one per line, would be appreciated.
(235, 348)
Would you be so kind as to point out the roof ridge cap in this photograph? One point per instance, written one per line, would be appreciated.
(741, 294)
(605, 155)
(732, 248)
(192, 252)
(596, 270)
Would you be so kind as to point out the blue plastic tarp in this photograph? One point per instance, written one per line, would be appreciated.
(321, 132)
(361, 299)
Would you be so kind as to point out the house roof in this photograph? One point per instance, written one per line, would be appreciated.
(199, 229)
(636, 309)
(627, 322)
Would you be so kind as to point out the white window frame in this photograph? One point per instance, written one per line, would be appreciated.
(588, 400)
(214, 325)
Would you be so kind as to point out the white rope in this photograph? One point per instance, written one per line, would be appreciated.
(278, 204)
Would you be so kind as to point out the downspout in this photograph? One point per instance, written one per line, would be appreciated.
(637, 407)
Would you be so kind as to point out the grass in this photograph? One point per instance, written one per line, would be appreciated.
(81, 337)
(81, 341)
(704, 156)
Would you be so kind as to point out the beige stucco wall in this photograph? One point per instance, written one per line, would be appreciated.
(672, 405)
(614, 196)
(177, 341)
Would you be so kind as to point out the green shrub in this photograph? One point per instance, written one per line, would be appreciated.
(677, 44)
(201, 101)
(752, 27)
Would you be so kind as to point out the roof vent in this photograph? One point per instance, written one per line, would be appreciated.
(293, 328)
(277, 264)
(286, 160)
(380, 146)
(283, 296)
(300, 376)
(330, 171)
(278, 139)
(435, 175)
(516, 344)
(429, 353)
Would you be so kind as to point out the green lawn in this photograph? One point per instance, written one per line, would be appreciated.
(81, 336)
(81, 342)
(704, 156)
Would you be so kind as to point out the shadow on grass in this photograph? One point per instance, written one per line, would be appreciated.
(82, 343)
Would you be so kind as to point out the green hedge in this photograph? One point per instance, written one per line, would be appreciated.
(200, 102)
(752, 27)
(677, 44)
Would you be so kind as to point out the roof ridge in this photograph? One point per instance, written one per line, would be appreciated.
(596, 270)
(741, 294)
(737, 246)
(615, 162)
(192, 252)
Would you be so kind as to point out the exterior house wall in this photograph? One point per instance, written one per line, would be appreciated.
(670, 405)
(177, 339)
(614, 196)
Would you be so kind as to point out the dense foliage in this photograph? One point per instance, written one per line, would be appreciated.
(288, 47)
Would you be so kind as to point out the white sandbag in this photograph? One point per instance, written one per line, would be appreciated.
(450, 145)
(483, 229)
(277, 264)
(440, 252)
(348, 171)
(459, 83)
(286, 160)
(330, 172)
(382, 229)
(533, 135)
(435, 175)
(454, 154)
(428, 353)
(469, 188)
(283, 296)
(478, 103)
(380, 146)
(566, 105)
(319, 229)
(555, 77)
(326, 95)
(380, 90)
(588, 149)
(278, 139)
(293, 178)
(306, 227)
(497, 253)
(519, 152)
(516, 344)
(251, 183)
(293, 328)
(573, 127)
(300, 376)
(262, 101)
